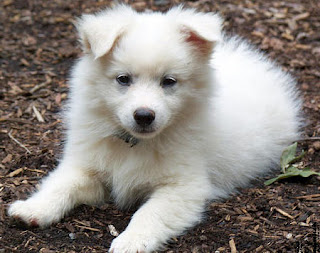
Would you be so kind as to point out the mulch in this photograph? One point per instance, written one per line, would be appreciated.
(38, 47)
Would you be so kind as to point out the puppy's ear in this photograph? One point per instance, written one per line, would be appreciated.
(201, 30)
(98, 33)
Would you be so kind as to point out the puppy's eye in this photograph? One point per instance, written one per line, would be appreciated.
(124, 79)
(168, 81)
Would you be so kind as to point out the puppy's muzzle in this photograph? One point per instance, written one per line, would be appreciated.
(144, 117)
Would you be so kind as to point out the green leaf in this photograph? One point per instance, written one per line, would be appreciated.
(298, 158)
(292, 169)
(288, 158)
(288, 155)
(293, 172)
(281, 176)
(270, 181)
(307, 172)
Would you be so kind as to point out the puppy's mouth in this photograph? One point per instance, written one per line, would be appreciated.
(144, 131)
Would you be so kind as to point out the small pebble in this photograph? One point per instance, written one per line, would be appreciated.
(289, 236)
(72, 236)
(113, 230)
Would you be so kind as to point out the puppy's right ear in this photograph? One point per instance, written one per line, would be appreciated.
(99, 32)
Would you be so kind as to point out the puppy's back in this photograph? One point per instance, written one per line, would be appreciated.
(256, 113)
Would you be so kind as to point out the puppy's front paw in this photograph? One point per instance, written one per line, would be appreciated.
(131, 242)
(33, 213)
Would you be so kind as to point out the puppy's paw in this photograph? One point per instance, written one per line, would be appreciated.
(131, 242)
(33, 213)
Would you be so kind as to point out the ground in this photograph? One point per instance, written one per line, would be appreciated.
(38, 47)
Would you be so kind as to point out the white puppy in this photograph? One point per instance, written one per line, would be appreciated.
(164, 111)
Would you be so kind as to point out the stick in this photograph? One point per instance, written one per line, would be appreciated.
(308, 196)
(232, 246)
(41, 85)
(88, 228)
(309, 139)
(38, 114)
(282, 212)
(19, 143)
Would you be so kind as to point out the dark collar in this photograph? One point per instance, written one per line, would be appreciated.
(127, 137)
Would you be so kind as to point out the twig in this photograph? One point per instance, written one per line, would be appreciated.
(308, 196)
(41, 85)
(36, 170)
(38, 114)
(267, 221)
(88, 228)
(316, 138)
(23, 121)
(283, 212)
(19, 143)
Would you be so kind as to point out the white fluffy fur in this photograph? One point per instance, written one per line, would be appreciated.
(226, 120)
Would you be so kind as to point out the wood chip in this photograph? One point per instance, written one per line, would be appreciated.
(252, 231)
(15, 172)
(36, 170)
(259, 248)
(84, 223)
(41, 85)
(308, 196)
(232, 246)
(44, 250)
(258, 34)
(7, 2)
(88, 228)
(244, 218)
(25, 62)
(18, 142)
(38, 114)
(7, 159)
(287, 36)
(282, 212)
(301, 16)
(302, 46)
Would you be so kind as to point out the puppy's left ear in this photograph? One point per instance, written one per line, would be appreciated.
(201, 30)
(98, 33)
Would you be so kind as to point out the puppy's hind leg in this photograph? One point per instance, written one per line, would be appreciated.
(64, 188)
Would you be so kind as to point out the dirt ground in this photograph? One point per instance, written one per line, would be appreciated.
(38, 47)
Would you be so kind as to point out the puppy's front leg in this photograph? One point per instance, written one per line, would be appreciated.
(168, 212)
(64, 188)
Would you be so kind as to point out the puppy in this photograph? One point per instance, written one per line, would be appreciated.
(168, 112)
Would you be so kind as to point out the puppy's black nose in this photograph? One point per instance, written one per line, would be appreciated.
(144, 116)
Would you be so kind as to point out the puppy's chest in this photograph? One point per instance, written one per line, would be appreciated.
(134, 175)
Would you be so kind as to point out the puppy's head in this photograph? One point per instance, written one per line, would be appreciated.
(147, 68)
